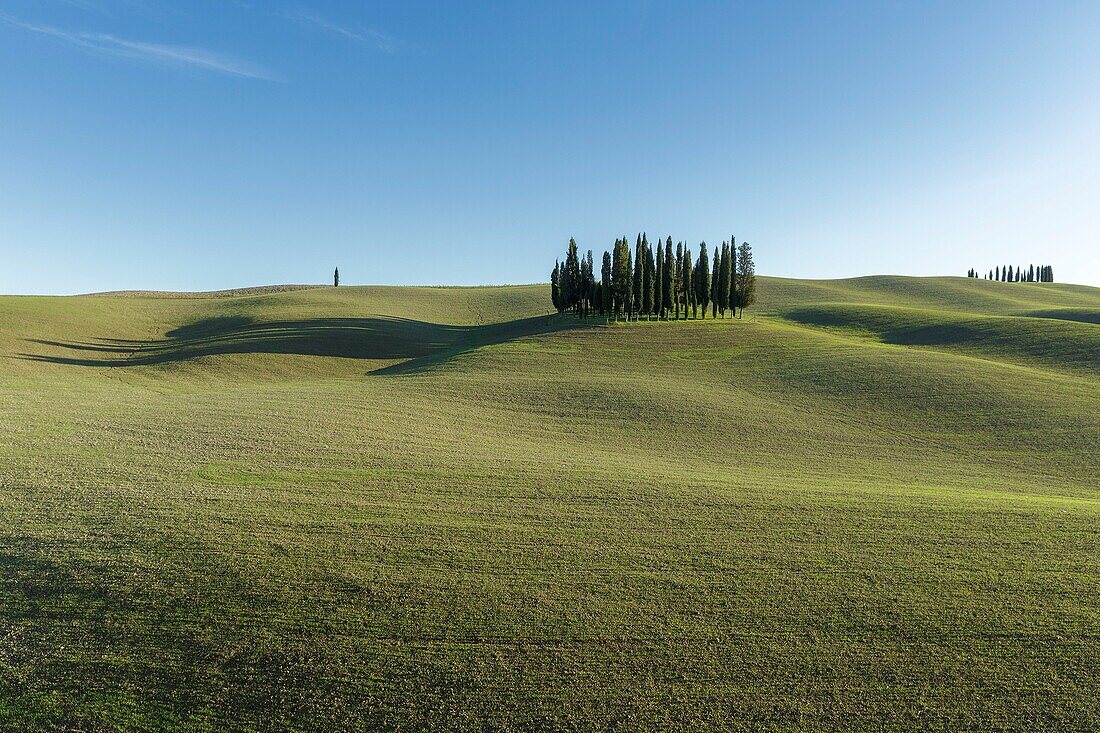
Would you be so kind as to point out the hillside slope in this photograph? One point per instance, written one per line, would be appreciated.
(872, 504)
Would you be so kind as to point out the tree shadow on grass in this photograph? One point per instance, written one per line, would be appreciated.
(416, 345)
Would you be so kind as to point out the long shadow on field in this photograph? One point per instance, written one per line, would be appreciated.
(417, 344)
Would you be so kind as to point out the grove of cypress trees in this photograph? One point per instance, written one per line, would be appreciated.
(702, 278)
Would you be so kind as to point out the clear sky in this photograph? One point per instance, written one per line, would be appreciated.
(202, 145)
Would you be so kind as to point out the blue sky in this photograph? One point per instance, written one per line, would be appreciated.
(202, 145)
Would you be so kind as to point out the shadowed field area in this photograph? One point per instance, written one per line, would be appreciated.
(873, 504)
(412, 343)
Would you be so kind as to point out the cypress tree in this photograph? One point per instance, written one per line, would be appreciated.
(678, 271)
(702, 279)
(621, 277)
(589, 284)
(648, 275)
(336, 278)
(667, 282)
(571, 277)
(997, 275)
(724, 279)
(734, 282)
(630, 305)
(555, 286)
(688, 288)
(639, 269)
(746, 277)
(714, 285)
(605, 285)
(659, 282)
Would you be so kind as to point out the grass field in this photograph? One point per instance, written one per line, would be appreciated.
(873, 504)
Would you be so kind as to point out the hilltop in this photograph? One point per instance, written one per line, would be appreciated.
(871, 504)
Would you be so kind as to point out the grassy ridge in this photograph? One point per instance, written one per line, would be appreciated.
(875, 506)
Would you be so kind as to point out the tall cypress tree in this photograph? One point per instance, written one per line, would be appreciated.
(734, 282)
(555, 286)
(678, 271)
(589, 284)
(667, 281)
(688, 292)
(702, 279)
(638, 274)
(714, 284)
(622, 277)
(659, 282)
(746, 277)
(724, 279)
(571, 277)
(336, 278)
(606, 294)
(647, 278)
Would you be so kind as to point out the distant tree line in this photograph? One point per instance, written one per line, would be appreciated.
(656, 281)
(1033, 274)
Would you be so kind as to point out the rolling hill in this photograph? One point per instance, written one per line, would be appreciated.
(873, 504)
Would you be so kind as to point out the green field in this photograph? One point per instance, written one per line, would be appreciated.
(873, 504)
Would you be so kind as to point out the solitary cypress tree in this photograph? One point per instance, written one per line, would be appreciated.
(746, 277)
(667, 281)
(336, 278)
(724, 280)
(606, 295)
(702, 279)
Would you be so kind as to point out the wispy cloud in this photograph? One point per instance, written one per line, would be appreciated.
(369, 36)
(170, 54)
